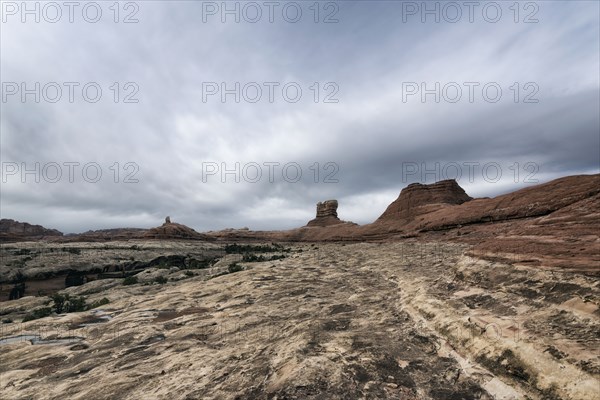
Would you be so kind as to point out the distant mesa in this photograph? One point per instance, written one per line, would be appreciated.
(172, 230)
(24, 229)
(15, 230)
(417, 199)
(106, 235)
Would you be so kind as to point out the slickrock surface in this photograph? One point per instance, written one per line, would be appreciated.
(373, 320)
(45, 265)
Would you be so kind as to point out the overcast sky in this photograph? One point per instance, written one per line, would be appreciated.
(369, 133)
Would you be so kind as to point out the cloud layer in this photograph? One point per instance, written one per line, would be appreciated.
(360, 132)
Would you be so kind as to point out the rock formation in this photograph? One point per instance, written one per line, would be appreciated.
(551, 224)
(15, 230)
(327, 208)
(326, 214)
(450, 209)
(103, 235)
(172, 230)
(417, 199)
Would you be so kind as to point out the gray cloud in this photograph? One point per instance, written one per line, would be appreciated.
(371, 134)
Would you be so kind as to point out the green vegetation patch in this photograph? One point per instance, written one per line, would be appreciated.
(261, 248)
(64, 303)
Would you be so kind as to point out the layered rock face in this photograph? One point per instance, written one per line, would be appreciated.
(327, 208)
(326, 214)
(14, 229)
(417, 199)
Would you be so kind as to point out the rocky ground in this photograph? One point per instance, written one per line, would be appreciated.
(45, 264)
(401, 320)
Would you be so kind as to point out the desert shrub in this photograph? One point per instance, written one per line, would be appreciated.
(72, 250)
(248, 248)
(163, 265)
(254, 258)
(64, 303)
(98, 303)
(217, 275)
(130, 280)
(160, 280)
(234, 267)
(76, 304)
(201, 264)
(459, 276)
(37, 314)
(59, 302)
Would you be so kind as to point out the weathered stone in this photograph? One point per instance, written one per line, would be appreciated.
(11, 229)
(173, 230)
(326, 214)
(327, 208)
(417, 198)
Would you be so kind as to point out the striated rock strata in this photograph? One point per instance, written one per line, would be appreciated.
(326, 214)
(416, 199)
(15, 230)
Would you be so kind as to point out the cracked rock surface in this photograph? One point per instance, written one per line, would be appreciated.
(404, 320)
